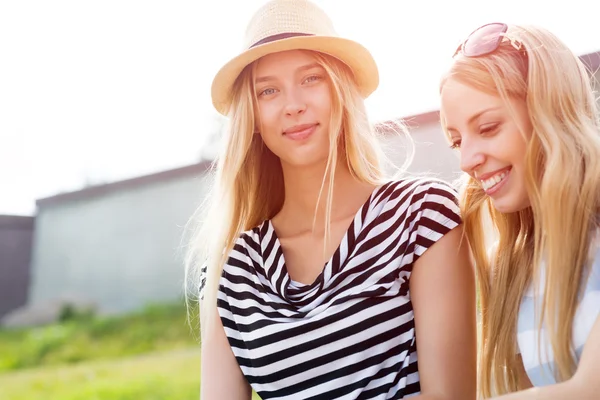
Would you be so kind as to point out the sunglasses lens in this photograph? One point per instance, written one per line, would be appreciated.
(484, 40)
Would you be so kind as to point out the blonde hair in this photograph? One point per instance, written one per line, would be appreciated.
(562, 169)
(248, 186)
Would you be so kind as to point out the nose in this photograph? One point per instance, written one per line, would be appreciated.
(471, 156)
(295, 104)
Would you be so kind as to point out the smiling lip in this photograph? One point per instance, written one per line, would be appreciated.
(492, 182)
(490, 174)
(300, 132)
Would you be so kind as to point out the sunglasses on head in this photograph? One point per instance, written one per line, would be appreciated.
(483, 40)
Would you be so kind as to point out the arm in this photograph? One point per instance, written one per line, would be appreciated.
(443, 295)
(583, 385)
(221, 376)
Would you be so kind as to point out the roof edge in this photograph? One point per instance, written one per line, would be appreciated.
(97, 190)
(16, 221)
(590, 60)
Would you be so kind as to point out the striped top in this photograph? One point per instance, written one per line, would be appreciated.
(539, 365)
(351, 333)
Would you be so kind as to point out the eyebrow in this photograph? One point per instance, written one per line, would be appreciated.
(299, 69)
(474, 117)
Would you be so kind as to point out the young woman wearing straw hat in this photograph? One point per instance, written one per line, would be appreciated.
(519, 107)
(320, 277)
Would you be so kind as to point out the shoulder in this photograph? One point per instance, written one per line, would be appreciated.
(419, 185)
(244, 258)
(421, 194)
(428, 207)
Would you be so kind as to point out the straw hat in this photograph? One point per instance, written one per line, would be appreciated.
(283, 25)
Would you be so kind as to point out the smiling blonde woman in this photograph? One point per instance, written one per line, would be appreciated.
(323, 276)
(519, 107)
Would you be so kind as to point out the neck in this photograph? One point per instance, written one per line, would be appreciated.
(303, 185)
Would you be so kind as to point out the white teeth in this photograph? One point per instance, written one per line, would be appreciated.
(494, 180)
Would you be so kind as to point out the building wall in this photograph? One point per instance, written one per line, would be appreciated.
(120, 249)
(432, 155)
(16, 235)
(596, 83)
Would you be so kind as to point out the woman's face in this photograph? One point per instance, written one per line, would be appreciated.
(492, 144)
(294, 106)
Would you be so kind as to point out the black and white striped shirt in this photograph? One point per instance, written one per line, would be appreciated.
(351, 333)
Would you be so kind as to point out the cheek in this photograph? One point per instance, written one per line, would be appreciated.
(321, 100)
(268, 135)
(507, 147)
(267, 118)
(516, 147)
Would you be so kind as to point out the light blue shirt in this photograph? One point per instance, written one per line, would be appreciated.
(538, 360)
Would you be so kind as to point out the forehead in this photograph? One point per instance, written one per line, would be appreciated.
(460, 101)
(284, 61)
(455, 91)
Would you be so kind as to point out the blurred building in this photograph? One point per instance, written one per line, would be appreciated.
(16, 236)
(119, 245)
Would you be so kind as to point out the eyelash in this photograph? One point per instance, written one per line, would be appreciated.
(490, 128)
(455, 145)
(318, 78)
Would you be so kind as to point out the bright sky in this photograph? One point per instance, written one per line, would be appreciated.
(97, 91)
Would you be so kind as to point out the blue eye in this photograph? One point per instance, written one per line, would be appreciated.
(267, 92)
(313, 78)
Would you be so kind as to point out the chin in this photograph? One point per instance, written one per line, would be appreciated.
(304, 160)
(509, 206)
(505, 209)
(305, 163)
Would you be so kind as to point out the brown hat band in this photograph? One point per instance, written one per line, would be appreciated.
(280, 36)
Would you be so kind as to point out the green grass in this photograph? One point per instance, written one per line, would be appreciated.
(172, 375)
(153, 329)
(149, 355)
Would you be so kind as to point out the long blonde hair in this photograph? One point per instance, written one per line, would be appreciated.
(248, 183)
(562, 180)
